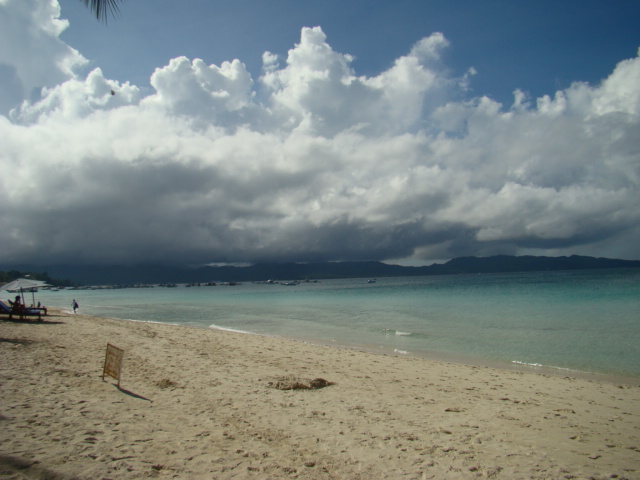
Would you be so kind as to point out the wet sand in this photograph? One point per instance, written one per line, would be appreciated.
(208, 404)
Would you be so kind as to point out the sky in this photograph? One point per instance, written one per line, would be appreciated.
(411, 132)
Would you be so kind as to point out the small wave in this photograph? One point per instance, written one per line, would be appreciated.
(401, 352)
(540, 365)
(397, 332)
(227, 329)
(527, 364)
(158, 322)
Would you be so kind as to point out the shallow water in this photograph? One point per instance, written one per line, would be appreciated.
(585, 321)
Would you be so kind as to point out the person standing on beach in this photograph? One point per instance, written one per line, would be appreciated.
(75, 306)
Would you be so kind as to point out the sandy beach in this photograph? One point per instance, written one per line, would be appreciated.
(208, 404)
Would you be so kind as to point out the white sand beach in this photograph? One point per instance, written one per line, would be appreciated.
(208, 404)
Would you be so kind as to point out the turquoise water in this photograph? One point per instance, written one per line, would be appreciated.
(585, 321)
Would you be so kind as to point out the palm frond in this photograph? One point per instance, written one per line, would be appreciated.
(103, 8)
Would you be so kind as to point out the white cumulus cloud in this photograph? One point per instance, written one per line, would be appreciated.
(310, 161)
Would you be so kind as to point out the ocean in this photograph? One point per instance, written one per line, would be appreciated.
(558, 322)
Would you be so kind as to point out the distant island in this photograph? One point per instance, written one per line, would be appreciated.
(130, 275)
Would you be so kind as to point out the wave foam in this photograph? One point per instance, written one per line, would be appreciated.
(540, 365)
(227, 329)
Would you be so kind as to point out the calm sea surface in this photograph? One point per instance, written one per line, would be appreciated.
(584, 321)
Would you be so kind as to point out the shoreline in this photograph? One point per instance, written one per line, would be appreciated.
(200, 403)
(469, 361)
(442, 357)
(454, 358)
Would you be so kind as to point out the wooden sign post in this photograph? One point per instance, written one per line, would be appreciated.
(113, 362)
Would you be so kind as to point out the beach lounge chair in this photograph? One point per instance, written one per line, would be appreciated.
(21, 311)
(5, 309)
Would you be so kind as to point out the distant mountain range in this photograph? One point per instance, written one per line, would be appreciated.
(130, 275)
